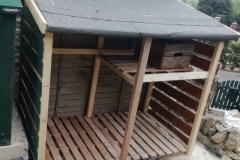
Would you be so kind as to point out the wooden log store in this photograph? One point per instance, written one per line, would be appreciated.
(116, 79)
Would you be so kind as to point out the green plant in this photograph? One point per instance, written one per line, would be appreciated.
(231, 55)
(214, 8)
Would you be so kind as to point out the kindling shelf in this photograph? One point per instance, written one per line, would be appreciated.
(126, 67)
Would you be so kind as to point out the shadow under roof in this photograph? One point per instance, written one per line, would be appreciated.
(132, 18)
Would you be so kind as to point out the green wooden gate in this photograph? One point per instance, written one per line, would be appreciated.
(227, 96)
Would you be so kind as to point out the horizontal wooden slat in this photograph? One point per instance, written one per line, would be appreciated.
(169, 126)
(200, 81)
(91, 51)
(34, 40)
(175, 120)
(186, 100)
(188, 87)
(201, 63)
(27, 115)
(28, 86)
(174, 76)
(30, 138)
(32, 74)
(34, 113)
(171, 104)
(32, 56)
(203, 48)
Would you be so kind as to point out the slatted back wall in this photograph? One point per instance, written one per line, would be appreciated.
(175, 103)
(30, 82)
(201, 58)
(71, 78)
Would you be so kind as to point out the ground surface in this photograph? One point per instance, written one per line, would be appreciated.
(19, 145)
(226, 75)
(199, 153)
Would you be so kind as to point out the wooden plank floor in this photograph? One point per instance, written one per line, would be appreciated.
(100, 138)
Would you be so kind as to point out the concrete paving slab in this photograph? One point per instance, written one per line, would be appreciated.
(19, 145)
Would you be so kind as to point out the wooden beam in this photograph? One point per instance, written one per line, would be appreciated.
(125, 76)
(148, 96)
(94, 79)
(145, 49)
(37, 15)
(47, 61)
(120, 102)
(92, 51)
(175, 76)
(59, 85)
(204, 97)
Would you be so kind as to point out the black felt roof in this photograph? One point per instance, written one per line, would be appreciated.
(132, 18)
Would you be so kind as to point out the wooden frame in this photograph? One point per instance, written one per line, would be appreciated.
(125, 76)
(140, 69)
(204, 97)
(94, 79)
(47, 61)
(135, 96)
(175, 76)
(37, 15)
(92, 51)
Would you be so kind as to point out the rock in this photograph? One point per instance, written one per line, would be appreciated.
(234, 156)
(202, 124)
(228, 68)
(232, 141)
(236, 70)
(219, 137)
(209, 145)
(212, 131)
(220, 66)
(209, 124)
(237, 149)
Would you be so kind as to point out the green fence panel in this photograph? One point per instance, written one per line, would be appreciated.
(222, 100)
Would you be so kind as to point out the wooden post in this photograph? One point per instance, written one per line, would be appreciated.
(94, 79)
(47, 61)
(148, 96)
(143, 58)
(204, 97)
(59, 80)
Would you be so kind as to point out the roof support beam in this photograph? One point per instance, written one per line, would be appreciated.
(204, 97)
(92, 51)
(138, 81)
(37, 15)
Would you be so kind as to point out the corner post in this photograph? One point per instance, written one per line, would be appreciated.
(204, 97)
(94, 79)
(47, 62)
(143, 58)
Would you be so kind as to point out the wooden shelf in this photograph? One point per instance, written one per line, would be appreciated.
(126, 67)
(100, 137)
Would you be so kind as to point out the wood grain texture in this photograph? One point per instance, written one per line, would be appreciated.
(186, 100)
(100, 137)
(173, 105)
(173, 118)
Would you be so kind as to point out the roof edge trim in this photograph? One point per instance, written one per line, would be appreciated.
(235, 32)
(37, 15)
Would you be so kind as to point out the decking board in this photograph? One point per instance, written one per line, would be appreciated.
(101, 136)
